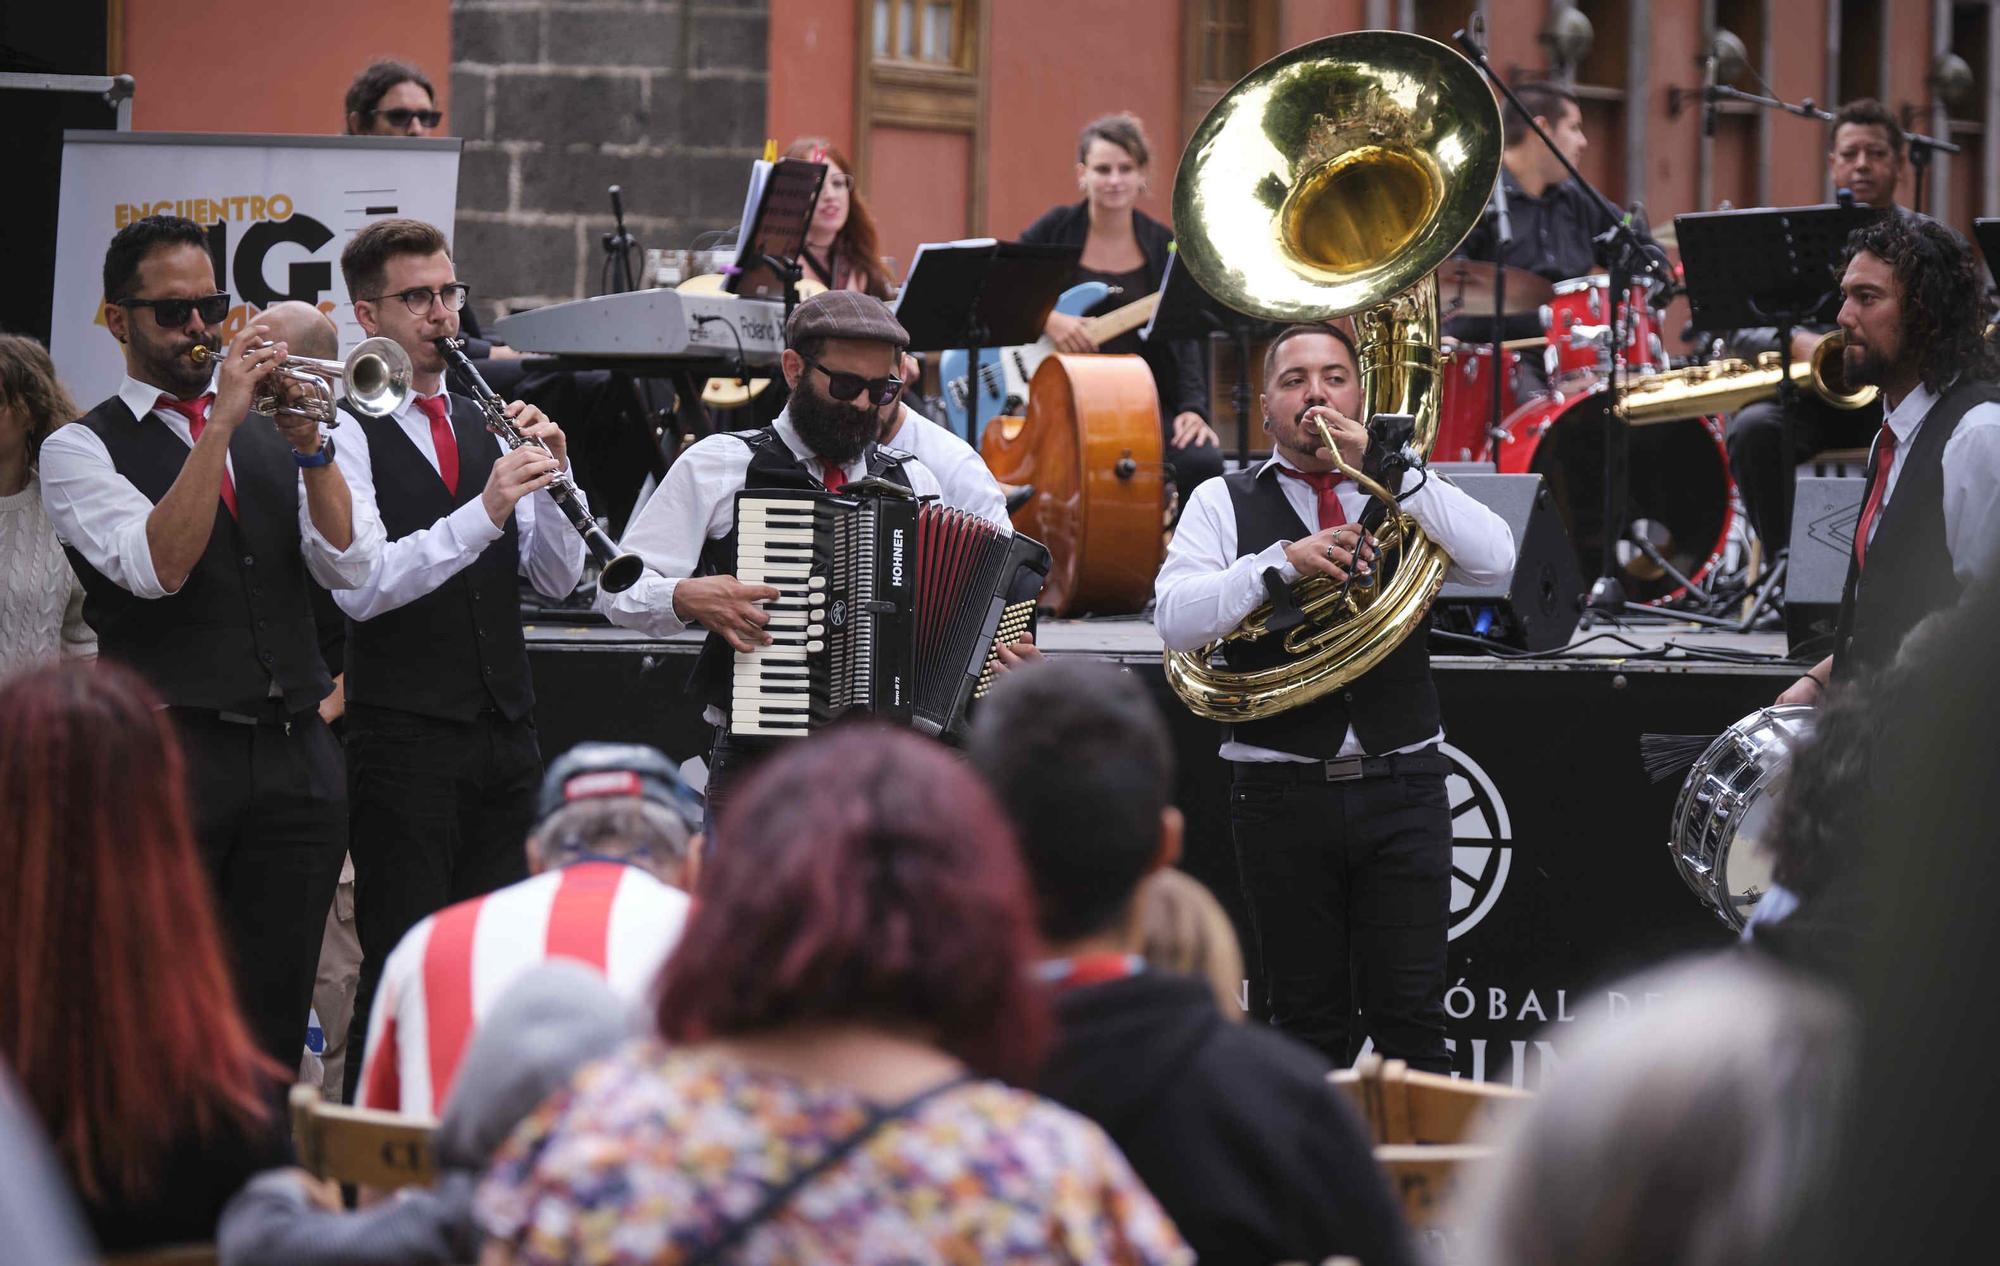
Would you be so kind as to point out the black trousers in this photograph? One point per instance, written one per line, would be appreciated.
(1756, 438)
(270, 808)
(729, 763)
(1349, 890)
(442, 811)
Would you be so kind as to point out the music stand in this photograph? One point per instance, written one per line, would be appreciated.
(767, 257)
(1186, 311)
(982, 293)
(1768, 267)
(1987, 233)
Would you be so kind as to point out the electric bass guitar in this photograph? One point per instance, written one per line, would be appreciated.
(999, 384)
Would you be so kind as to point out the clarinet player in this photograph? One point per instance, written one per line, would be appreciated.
(444, 758)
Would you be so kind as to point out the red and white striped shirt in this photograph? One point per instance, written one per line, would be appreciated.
(447, 972)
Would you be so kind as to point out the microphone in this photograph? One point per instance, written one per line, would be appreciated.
(1472, 38)
(617, 203)
(1503, 226)
(1708, 93)
(1845, 197)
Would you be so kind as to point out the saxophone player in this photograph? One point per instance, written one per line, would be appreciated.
(445, 763)
(1338, 810)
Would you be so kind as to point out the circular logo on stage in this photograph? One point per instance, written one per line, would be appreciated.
(1482, 841)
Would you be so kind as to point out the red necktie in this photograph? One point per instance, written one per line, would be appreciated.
(1324, 482)
(196, 413)
(1885, 456)
(442, 439)
(834, 477)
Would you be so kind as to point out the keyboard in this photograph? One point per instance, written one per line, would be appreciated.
(652, 325)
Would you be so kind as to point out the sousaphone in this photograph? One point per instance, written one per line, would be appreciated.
(1331, 182)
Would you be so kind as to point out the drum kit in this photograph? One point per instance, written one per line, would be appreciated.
(1557, 392)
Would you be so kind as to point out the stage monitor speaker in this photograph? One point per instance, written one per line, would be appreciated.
(1824, 515)
(1537, 607)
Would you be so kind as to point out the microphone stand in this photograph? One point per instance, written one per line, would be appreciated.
(1503, 236)
(1629, 258)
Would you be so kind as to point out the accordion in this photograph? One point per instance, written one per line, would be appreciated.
(888, 606)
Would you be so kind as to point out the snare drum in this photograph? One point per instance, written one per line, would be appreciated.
(1724, 819)
(1465, 399)
(1577, 324)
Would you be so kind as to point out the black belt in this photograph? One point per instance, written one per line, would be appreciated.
(272, 712)
(1344, 768)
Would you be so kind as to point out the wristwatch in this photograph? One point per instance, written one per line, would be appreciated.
(308, 461)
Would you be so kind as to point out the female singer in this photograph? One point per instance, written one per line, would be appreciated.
(1127, 249)
(842, 250)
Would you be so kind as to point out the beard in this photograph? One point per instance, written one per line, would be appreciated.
(837, 432)
(1861, 366)
(173, 371)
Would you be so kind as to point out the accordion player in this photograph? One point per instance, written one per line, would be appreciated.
(889, 606)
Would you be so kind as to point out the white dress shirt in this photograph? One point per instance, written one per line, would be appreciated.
(102, 514)
(1204, 590)
(1971, 481)
(696, 503)
(414, 565)
(968, 485)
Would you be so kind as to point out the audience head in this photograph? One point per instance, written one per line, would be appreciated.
(862, 877)
(843, 359)
(556, 1017)
(621, 801)
(400, 278)
(1111, 161)
(842, 217)
(1080, 759)
(1914, 306)
(1186, 930)
(392, 98)
(1866, 155)
(116, 1010)
(161, 299)
(32, 399)
(1686, 1133)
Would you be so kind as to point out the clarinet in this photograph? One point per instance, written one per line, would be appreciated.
(616, 571)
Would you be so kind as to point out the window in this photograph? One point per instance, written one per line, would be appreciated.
(1221, 41)
(921, 32)
(1222, 36)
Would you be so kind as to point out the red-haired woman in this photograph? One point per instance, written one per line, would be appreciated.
(843, 250)
(116, 1011)
(859, 960)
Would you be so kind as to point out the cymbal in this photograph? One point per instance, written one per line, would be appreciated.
(1465, 288)
(1668, 236)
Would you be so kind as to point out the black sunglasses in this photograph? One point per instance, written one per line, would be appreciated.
(844, 386)
(401, 118)
(418, 298)
(173, 313)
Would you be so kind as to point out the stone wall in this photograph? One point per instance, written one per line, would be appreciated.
(557, 100)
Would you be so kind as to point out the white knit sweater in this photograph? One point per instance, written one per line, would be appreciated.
(41, 600)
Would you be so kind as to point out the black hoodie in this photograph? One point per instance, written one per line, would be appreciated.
(1235, 1128)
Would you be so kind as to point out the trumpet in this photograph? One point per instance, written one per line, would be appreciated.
(616, 571)
(375, 378)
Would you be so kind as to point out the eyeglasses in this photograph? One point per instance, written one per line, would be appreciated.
(173, 313)
(418, 298)
(399, 118)
(844, 386)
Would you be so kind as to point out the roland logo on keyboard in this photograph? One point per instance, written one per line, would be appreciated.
(896, 557)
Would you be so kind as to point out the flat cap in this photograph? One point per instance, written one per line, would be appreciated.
(845, 314)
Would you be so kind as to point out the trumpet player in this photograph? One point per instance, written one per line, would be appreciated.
(1337, 808)
(193, 526)
(440, 727)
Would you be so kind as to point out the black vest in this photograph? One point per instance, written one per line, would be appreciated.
(772, 465)
(242, 620)
(1909, 573)
(458, 648)
(1394, 705)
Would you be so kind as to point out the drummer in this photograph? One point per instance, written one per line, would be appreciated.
(1554, 220)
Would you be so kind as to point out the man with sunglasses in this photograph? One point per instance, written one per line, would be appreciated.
(193, 527)
(440, 729)
(392, 98)
(842, 352)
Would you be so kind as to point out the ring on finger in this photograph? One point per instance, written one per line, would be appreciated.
(1329, 553)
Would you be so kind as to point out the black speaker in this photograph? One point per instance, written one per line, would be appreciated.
(1536, 608)
(1825, 513)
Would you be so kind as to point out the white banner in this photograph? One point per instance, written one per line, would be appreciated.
(278, 211)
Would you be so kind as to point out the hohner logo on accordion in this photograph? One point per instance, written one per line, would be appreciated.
(887, 606)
